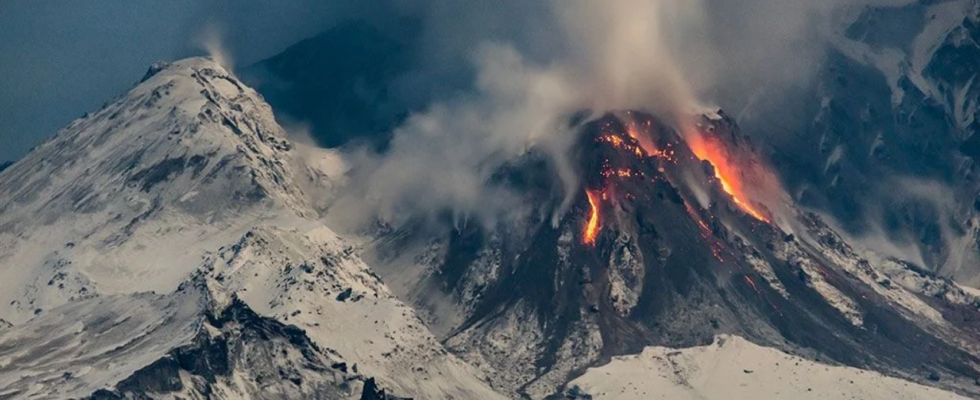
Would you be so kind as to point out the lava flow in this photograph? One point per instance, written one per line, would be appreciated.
(726, 174)
(592, 228)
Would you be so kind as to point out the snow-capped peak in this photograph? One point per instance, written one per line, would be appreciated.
(189, 149)
(188, 181)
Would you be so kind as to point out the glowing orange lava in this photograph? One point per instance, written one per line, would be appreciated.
(641, 136)
(618, 143)
(620, 173)
(615, 140)
(716, 247)
(726, 173)
(592, 228)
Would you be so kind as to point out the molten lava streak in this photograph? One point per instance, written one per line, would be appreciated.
(726, 174)
(592, 228)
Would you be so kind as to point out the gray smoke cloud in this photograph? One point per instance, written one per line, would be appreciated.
(496, 77)
(761, 48)
(537, 63)
(615, 55)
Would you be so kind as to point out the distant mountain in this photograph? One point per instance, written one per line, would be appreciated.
(893, 105)
(884, 138)
(337, 83)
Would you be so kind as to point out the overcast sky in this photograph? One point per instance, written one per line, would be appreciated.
(60, 59)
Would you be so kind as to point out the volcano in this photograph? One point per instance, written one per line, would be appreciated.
(668, 245)
(173, 245)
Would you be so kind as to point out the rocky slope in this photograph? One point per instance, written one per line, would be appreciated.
(660, 250)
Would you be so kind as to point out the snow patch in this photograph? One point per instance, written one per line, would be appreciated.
(734, 368)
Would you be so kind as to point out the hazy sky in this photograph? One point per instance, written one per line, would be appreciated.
(60, 59)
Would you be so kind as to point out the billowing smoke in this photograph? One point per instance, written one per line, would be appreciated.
(615, 55)
(930, 232)
(536, 64)
(442, 159)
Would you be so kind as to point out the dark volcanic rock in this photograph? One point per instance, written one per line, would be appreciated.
(159, 172)
(373, 392)
(278, 358)
(667, 269)
(346, 294)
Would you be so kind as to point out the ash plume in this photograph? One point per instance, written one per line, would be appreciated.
(535, 65)
(616, 55)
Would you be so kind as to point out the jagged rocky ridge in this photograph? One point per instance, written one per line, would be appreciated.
(236, 352)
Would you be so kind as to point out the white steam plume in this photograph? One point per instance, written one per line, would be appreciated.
(442, 159)
(211, 41)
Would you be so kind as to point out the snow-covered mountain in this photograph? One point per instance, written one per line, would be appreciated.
(173, 245)
(891, 110)
(165, 246)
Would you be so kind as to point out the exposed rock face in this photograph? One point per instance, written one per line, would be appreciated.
(371, 391)
(239, 353)
(190, 149)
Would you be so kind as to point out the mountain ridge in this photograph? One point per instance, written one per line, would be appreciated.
(186, 190)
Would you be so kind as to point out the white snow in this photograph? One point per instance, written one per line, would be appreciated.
(892, 63)
(93, 344)
(943, 17)
(732, 368)
(792, 254)
(833, 158)
(94, 221)
(189, 175)
(99, 205)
